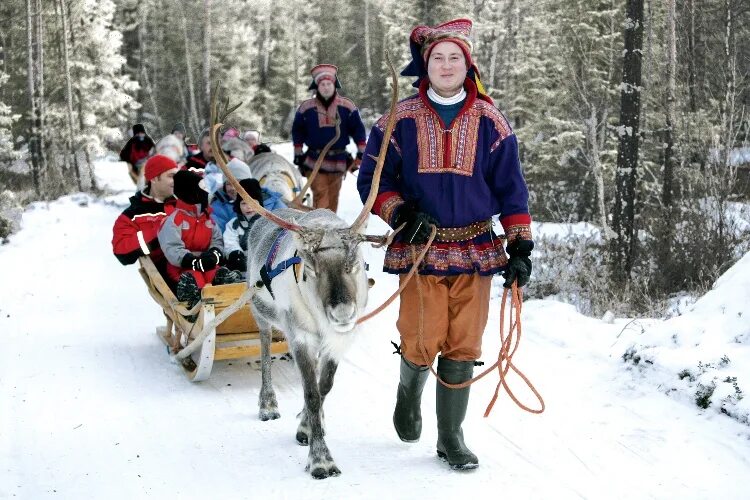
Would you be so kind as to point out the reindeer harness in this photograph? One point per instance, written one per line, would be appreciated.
(268, 272)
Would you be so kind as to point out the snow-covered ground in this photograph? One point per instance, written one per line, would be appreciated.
(91, 407)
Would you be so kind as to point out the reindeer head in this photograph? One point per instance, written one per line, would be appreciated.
(333, 269)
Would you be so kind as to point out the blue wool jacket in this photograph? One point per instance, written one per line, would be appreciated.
(459, 173)
(315, 125)
(223, 209)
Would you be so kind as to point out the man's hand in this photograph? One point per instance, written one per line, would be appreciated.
(299, 159)
(353, 166)
(519, 264)
(417, 230)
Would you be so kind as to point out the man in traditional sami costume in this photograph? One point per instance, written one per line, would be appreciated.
(453, 162)
(315, 125)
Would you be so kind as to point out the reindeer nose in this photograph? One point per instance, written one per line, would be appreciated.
(343, 313)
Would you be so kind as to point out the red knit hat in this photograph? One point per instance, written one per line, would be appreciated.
(157, 165)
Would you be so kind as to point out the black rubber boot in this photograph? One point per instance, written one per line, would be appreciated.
(407, 417)
(451, 410)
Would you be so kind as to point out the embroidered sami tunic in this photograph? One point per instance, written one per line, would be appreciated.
(315, 125)
(459, 173)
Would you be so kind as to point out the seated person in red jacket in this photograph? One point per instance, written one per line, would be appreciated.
(192, 242)
(135, 231)
(136, 150)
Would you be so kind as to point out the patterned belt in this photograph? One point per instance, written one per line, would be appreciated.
(331, 152)
(453, 234)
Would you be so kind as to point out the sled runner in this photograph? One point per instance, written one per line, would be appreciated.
(235, 337)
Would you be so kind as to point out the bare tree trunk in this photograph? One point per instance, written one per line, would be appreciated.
(726, 174)
(295, 60)
(623, 245)
(41, 103)
(266, 49)
(207, 55)
(368, 58)
(691, 57)
(671, 47)
(69, 93)
(189, 74)
(143, 66)
(79, 105)
(493, 59)
(596, 169)
(31, 81)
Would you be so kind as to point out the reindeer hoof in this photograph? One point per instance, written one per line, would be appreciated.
(269, 414)
(302, 438)
(322, 471)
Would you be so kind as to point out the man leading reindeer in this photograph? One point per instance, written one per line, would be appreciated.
(315, 125)
(452, 162)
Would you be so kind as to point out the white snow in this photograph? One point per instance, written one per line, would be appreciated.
(91, 407)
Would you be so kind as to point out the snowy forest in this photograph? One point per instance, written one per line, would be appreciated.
(631, 115)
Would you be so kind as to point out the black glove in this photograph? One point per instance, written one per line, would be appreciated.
(190, 261)
(210, 259)
(262, 148)
(299, 159)
(417, 230)
(519, 264)
(236, 261)
(352, 164)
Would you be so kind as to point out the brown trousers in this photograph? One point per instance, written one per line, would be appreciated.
(455, 314)
(325, 188)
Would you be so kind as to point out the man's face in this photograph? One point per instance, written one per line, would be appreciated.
(205, 146)
(326, 88)
(162, 186)
(251, 141)
(229, 189)
(446, 68)
(179, 135)
(140, 136)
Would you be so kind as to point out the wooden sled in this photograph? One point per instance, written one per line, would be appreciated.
(235, 337)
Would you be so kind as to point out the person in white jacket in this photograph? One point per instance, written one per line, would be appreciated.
(238, 228)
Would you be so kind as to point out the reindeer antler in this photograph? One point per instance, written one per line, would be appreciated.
(381, 157)
(221, 160)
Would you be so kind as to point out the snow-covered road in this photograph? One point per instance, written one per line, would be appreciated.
(91, 407)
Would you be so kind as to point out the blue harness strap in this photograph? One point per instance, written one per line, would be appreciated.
(268, 272)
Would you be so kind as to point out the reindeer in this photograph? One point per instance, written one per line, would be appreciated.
(310, 282)
(173, 147)
(276, 173)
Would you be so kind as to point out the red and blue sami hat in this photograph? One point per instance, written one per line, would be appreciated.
(424, 38)
(324, 72)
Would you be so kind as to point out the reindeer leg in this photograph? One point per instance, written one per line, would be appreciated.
(303, 429)
(269, 408)
(325, 383)
(320, 464)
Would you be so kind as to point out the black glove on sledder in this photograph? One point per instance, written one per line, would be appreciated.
(519, 264)
(236, 261)
(417, 230)
(207, 260)
(210, 258)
